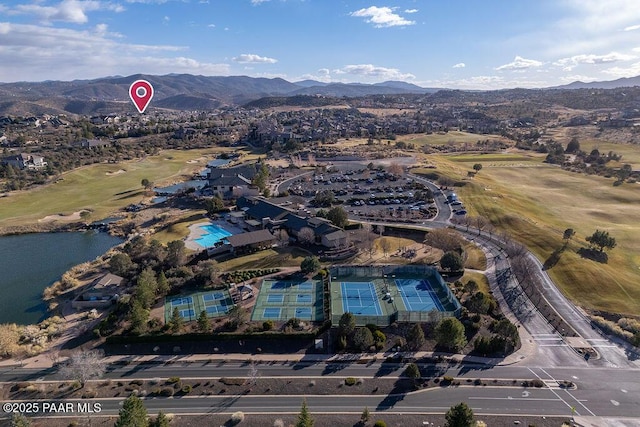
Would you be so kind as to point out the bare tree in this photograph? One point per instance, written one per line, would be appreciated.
(84, 366)
(385, 245)
(283, 237)
(481, 223)
(306, 236)
(253, 375)
(444, 239)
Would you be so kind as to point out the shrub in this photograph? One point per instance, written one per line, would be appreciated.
(350, 381)
(173, 380)
(237, 417)
(186, 389)
(380, 423)
(267, 325)
(232, 381)
(136, 382)
(166, 392)
(278, 423)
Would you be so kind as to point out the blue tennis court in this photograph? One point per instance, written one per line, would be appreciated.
(303, 313)
(304, 298)
(213, 296)
(282, 285)
(360, 298)
(216, 309)
(275, 298)
(418, 295)
(271, 313)
(181, 301)
(305, 286)
(187, 314)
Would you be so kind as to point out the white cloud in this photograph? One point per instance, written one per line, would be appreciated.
(324, 71)
(459, 65)
(411, 10)
(369, 70)
(520, 63)
(166, 20)
(86, 54)
(382, 17)
(250, 58)
(73, 11)
(569, 63)
(618, 72)
(257, 2)
(211, 26)
(577, 78)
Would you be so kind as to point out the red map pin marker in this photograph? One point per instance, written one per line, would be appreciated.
(141, 93)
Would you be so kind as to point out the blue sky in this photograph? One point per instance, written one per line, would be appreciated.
(466, 44)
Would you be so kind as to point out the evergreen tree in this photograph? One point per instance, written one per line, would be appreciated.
(176, 322)
(459, 415)
(160, 421)
(415, 337)
(304, 418)
(366, 416)
(163, 284)
(138, 316)
(133, 413)
(204, 324)
(146, 286)
(347, 323)
(450, 334)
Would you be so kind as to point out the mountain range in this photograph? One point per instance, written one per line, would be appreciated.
(191, 92)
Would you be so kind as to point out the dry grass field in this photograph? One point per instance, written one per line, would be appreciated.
(536, 204)
(451, 137)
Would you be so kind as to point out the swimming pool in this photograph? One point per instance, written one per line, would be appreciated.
(213, 234)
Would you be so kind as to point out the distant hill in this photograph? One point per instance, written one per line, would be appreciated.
(178, 92)
(612, 84)
(190, 92)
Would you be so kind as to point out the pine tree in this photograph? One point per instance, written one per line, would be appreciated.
(176, 322)
(304, 418)
(204, 324)
(160, 421)
(133, 413)
(366, 416)
(459, 415)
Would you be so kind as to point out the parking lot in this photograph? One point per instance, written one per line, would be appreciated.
(366, 192)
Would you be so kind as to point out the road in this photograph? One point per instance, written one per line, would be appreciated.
(600, 391)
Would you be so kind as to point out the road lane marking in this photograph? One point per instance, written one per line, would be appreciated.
(542, 399)
(552, 390)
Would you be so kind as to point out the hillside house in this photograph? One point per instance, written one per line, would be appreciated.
(101, 293)
(25, 161)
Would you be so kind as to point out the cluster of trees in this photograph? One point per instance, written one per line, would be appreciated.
(310, 264)
(505, 340)
(261, 178)
(358, 339)
(593, 162)
(157, 269)
(337, 215)
(134, 414)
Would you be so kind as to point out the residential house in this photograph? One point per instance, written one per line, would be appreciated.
(25, 161)
(101, 293)
(91, 143)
